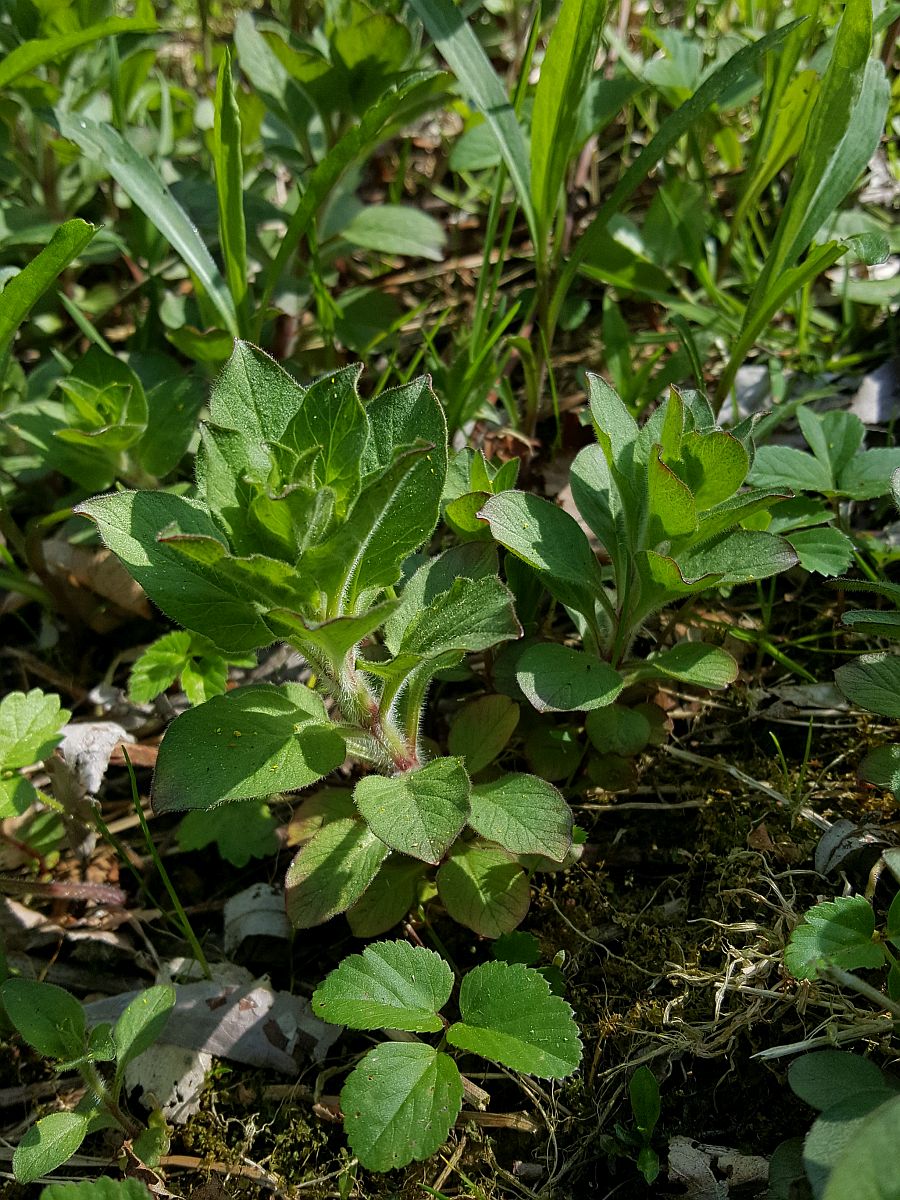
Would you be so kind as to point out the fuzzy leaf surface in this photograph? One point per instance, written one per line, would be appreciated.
(193, 593)
(872, 682)
(251, 742)
(332, 871)
(391, 985)
(558, 678)
(510, 1015)
(524, 814)
(49, 1143)
(48, 1017)
(484, 889)
(419, 813)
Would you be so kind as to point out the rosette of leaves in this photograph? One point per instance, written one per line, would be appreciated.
(873, 680)
(402, 1099)
(310, 505)
(667, 504)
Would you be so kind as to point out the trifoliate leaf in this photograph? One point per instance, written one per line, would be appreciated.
(400, 1103)
(836, 932)
(391, 985)
(510, 1016)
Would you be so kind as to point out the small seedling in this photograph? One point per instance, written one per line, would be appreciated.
(508, 1015)
(53, 1022)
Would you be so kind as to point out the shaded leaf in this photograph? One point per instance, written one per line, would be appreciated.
(391, 985)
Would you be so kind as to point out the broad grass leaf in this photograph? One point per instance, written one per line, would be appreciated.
(670, 132)
(482, 729)
(510, 1015)
(399, 1104)
(140, 180)
(229, 171)
(48, 1017)
(864, 1171)
(523, 814)
(484, 889)
(456, 40)
(872, 682)
(558, 678)
(49, 1143)
(251, 742)
(25, 58)
(28, 285)
(837, 932)
(391, 985)
(565, 72)
(141, 1023)
(30, 727)
(398, 103)
(332, 871)
(419, 813)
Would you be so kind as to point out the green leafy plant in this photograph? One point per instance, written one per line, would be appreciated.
(665, 503)
(191, 659)
(310, 507)
(97, 1189)
(840, 936)
(637, 1142)
(53, 1022)
(873, 680)
(30, 729)
(849, 1151)
(508, 1015)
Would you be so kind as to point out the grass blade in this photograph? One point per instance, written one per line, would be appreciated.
(372, 128)
(565, 72)
(460, 47)
(35, 53)
(24, 289)
(140, 180)
(673, 128)
(229, 165)
(843, 132)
